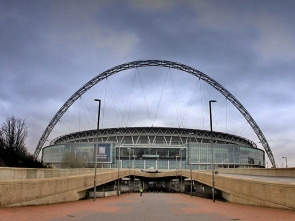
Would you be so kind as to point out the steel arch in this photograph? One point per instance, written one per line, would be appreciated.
(161, 63)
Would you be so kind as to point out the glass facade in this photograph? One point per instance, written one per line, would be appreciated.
(225, 156)
(158, 156)
(85, 151)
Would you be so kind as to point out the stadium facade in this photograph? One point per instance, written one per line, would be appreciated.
(155, 148)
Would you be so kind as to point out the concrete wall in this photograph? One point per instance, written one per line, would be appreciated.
(103, 194)
(52, 190)
(250, 192)
(279, 172)
(8, 173)
(24, 187)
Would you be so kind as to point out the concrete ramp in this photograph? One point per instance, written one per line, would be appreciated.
(259, 187)
(50, 186)
(241, 186)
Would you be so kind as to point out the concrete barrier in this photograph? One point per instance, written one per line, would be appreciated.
(103, 194)
(52, 190)
(39, 186)
(275, 172)
(7, 173)
(250, 191)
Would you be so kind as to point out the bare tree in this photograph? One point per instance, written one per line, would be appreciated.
(13, 151)
(2, 150)
(72, 161)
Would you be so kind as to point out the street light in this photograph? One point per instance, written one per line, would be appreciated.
(129, 170)
(212, 149)
(180, 167)
(190, 163)
(176, 168)
(286, 161)
(191, 170)
(134, 169)
(95, 149)
(118, 162)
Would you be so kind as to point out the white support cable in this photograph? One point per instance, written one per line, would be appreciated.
(115, 103)
(83, 108)
(160, 99)
(175, 100)
(186, 114)
(244, 128)
(130, 99)
(88, 109)
(72, 117)
(234, 126)
(201, 92)
(79, 123)
(104, 103)
(220, 111)
(226, 116)
(235, 132)
(62, 123)
(126, 103)
(144, 96)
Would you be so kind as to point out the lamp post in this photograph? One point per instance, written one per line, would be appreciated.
(118, 165)
(190, 163)
(212, 149)
(286, 161)
(129, 170)
(95, 149)
(191, 179)
(180, 167)
(176, 167)
(134, 170)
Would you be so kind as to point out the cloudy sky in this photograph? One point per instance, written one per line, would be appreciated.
(49, 49)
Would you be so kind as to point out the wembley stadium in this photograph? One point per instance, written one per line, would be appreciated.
(156, 148)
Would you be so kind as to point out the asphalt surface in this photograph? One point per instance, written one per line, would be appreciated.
(150, 206)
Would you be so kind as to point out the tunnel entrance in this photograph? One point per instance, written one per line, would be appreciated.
(175, 184)
(167, 184)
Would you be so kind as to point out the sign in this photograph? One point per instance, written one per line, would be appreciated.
(103, 152)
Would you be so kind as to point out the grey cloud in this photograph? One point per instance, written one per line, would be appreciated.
(49, 49)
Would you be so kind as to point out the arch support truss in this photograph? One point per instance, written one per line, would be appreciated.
(160, 63)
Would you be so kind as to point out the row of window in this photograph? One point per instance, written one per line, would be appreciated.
(195, 153)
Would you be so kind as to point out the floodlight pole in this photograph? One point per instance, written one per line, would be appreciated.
(129, 171)
(212, 149)
(134, 169)
(95, 150)
(180, 162)
(191, 179)
(176, 166)
(118, 165)
(286, 161)
(190, 162)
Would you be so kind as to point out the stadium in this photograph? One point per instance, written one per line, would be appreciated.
(155, 148)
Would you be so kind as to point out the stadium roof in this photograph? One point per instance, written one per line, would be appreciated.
(152, 135)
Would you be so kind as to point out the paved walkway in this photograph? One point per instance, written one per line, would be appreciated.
(151, 206)
(290, 180)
